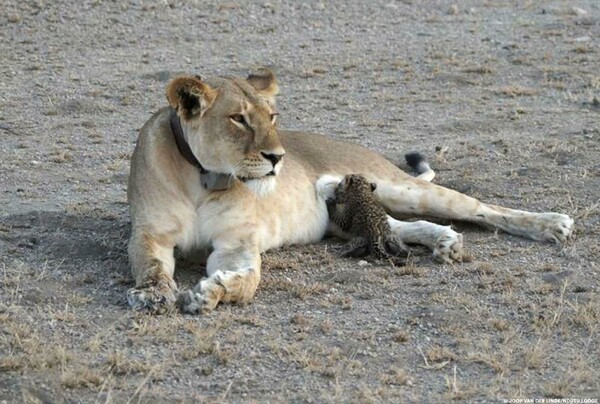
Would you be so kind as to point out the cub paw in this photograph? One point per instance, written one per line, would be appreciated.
(449, 247)
(396, 247)
(156, 299)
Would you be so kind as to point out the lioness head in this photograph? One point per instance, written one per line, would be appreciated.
(230, 125)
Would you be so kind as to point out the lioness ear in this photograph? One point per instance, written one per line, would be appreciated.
(373, 187)
(190, 96)
(265, 83)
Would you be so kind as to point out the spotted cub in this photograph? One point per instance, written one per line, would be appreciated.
(355, 211)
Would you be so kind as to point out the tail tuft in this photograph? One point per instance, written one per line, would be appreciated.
(414, 160)
(419, 163)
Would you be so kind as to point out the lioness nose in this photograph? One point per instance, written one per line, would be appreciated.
(272, 157)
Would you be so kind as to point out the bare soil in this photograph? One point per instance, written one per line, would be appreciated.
(503, 96)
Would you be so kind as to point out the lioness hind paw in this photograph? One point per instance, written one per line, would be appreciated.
(555, 227)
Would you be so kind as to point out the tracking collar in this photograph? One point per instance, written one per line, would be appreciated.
(210, 180)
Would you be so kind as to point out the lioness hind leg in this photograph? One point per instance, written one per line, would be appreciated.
(233, 276)
(153, 266)
(417, 197)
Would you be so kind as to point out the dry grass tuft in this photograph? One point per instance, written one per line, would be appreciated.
(81, 377)
(158, 329)
(483, 69)
(536, 355)
(583, 49)
(500, 324)
(24, 349)
(401, 336)
(253, 321)
(516, 91)
(119, 364)
(454, 392)
(439, 353)
(62, 157)
(483, 268)
(409, 269)
(11, 363)
(326, 361)
(587, 315)
(587, 211)
(299, 290)
(498, 360)
(299, 319)
(396, 377)
(205, 342)
(551, 314)
(572, 377)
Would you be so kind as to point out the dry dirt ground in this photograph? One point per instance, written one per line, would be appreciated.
(502, 96)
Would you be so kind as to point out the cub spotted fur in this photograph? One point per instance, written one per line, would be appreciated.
(355, 211)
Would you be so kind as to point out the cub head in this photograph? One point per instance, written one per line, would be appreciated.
(230, 125)
(353, 184)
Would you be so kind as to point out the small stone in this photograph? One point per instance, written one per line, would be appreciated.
(14, 18)
(453, 10)
(362, 263)
(580, 12)
(583, 39)
(556, 277)
(581, 289)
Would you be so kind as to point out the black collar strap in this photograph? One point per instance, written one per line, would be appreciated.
(210, 180)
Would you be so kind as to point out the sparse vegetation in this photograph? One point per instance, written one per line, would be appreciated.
(501, 96)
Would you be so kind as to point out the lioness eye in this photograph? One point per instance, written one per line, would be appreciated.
(237, 117)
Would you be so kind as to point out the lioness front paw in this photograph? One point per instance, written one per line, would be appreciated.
(189, 302)
(554, 227)
(449, 246)
(156, 299)
(203, 298)
(195, 303)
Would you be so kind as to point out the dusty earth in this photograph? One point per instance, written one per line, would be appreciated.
(502, 96)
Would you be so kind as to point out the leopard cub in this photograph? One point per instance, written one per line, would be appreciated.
(356, 212)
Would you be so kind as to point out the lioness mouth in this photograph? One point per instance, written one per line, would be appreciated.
(246, 179)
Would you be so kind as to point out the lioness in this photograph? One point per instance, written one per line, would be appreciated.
(212, 172)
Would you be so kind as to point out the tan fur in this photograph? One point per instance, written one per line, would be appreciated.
(229, 124)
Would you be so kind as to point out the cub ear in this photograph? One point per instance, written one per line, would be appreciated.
(373, 187)
(264, 81)
(348, 181)
(190, 96)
